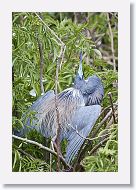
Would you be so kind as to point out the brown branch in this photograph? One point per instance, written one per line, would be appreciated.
(81, 153)
(75, 18)
(23, 152)
(42, 147)
(112, 42)
(111, 102)
(105, 118)
(89, 139)
(110, 123)
(40, 46)
(98, 145)
(51, 31)
(56, 105)
(107, 108)
(102, 122)
(107, 128)
(26, 154)
(57, 118)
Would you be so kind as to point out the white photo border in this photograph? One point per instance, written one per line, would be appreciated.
(123, 174)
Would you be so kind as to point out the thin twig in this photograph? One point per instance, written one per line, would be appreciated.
(51, 31)
(94, 149)
(107, 128)
(26, 154)
(56, 106)
(88, 36)
(89, 139)
(111, 102)
(63, 46)
(75, 17)
(23, 152)
(98, 145)
(62, 52)
(42, 147)
(110, 123)
(57, 117)
(105, 118)
(83, 151)
(102, 122)
(40, 45)
(35, 143)
(112, 42)
(51, 147)
(107, 108)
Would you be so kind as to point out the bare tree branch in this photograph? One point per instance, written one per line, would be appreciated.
(51, 31)
(42, 147)
(83, 151)
(40, 45)
(57, 117)
(110, 96)
(102, 122)
(107, 108)
(23, 152)
(60, 58)
(112, 42)
(89, 139)
(98, 145)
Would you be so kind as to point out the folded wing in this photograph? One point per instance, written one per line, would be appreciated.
(82, 125)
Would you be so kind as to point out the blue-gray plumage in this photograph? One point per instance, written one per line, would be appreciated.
(79, 107)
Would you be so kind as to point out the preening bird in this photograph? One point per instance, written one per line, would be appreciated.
(79, 108)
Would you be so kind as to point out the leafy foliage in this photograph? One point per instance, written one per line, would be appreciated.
(106, 158)
(28, 163)
(88, 32)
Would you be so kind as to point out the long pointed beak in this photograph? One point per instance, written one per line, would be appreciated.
(80, 71)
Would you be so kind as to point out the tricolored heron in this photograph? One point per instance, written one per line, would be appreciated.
(79, 108)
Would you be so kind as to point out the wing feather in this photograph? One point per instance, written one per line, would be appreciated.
(45, 120)
(85, 120)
